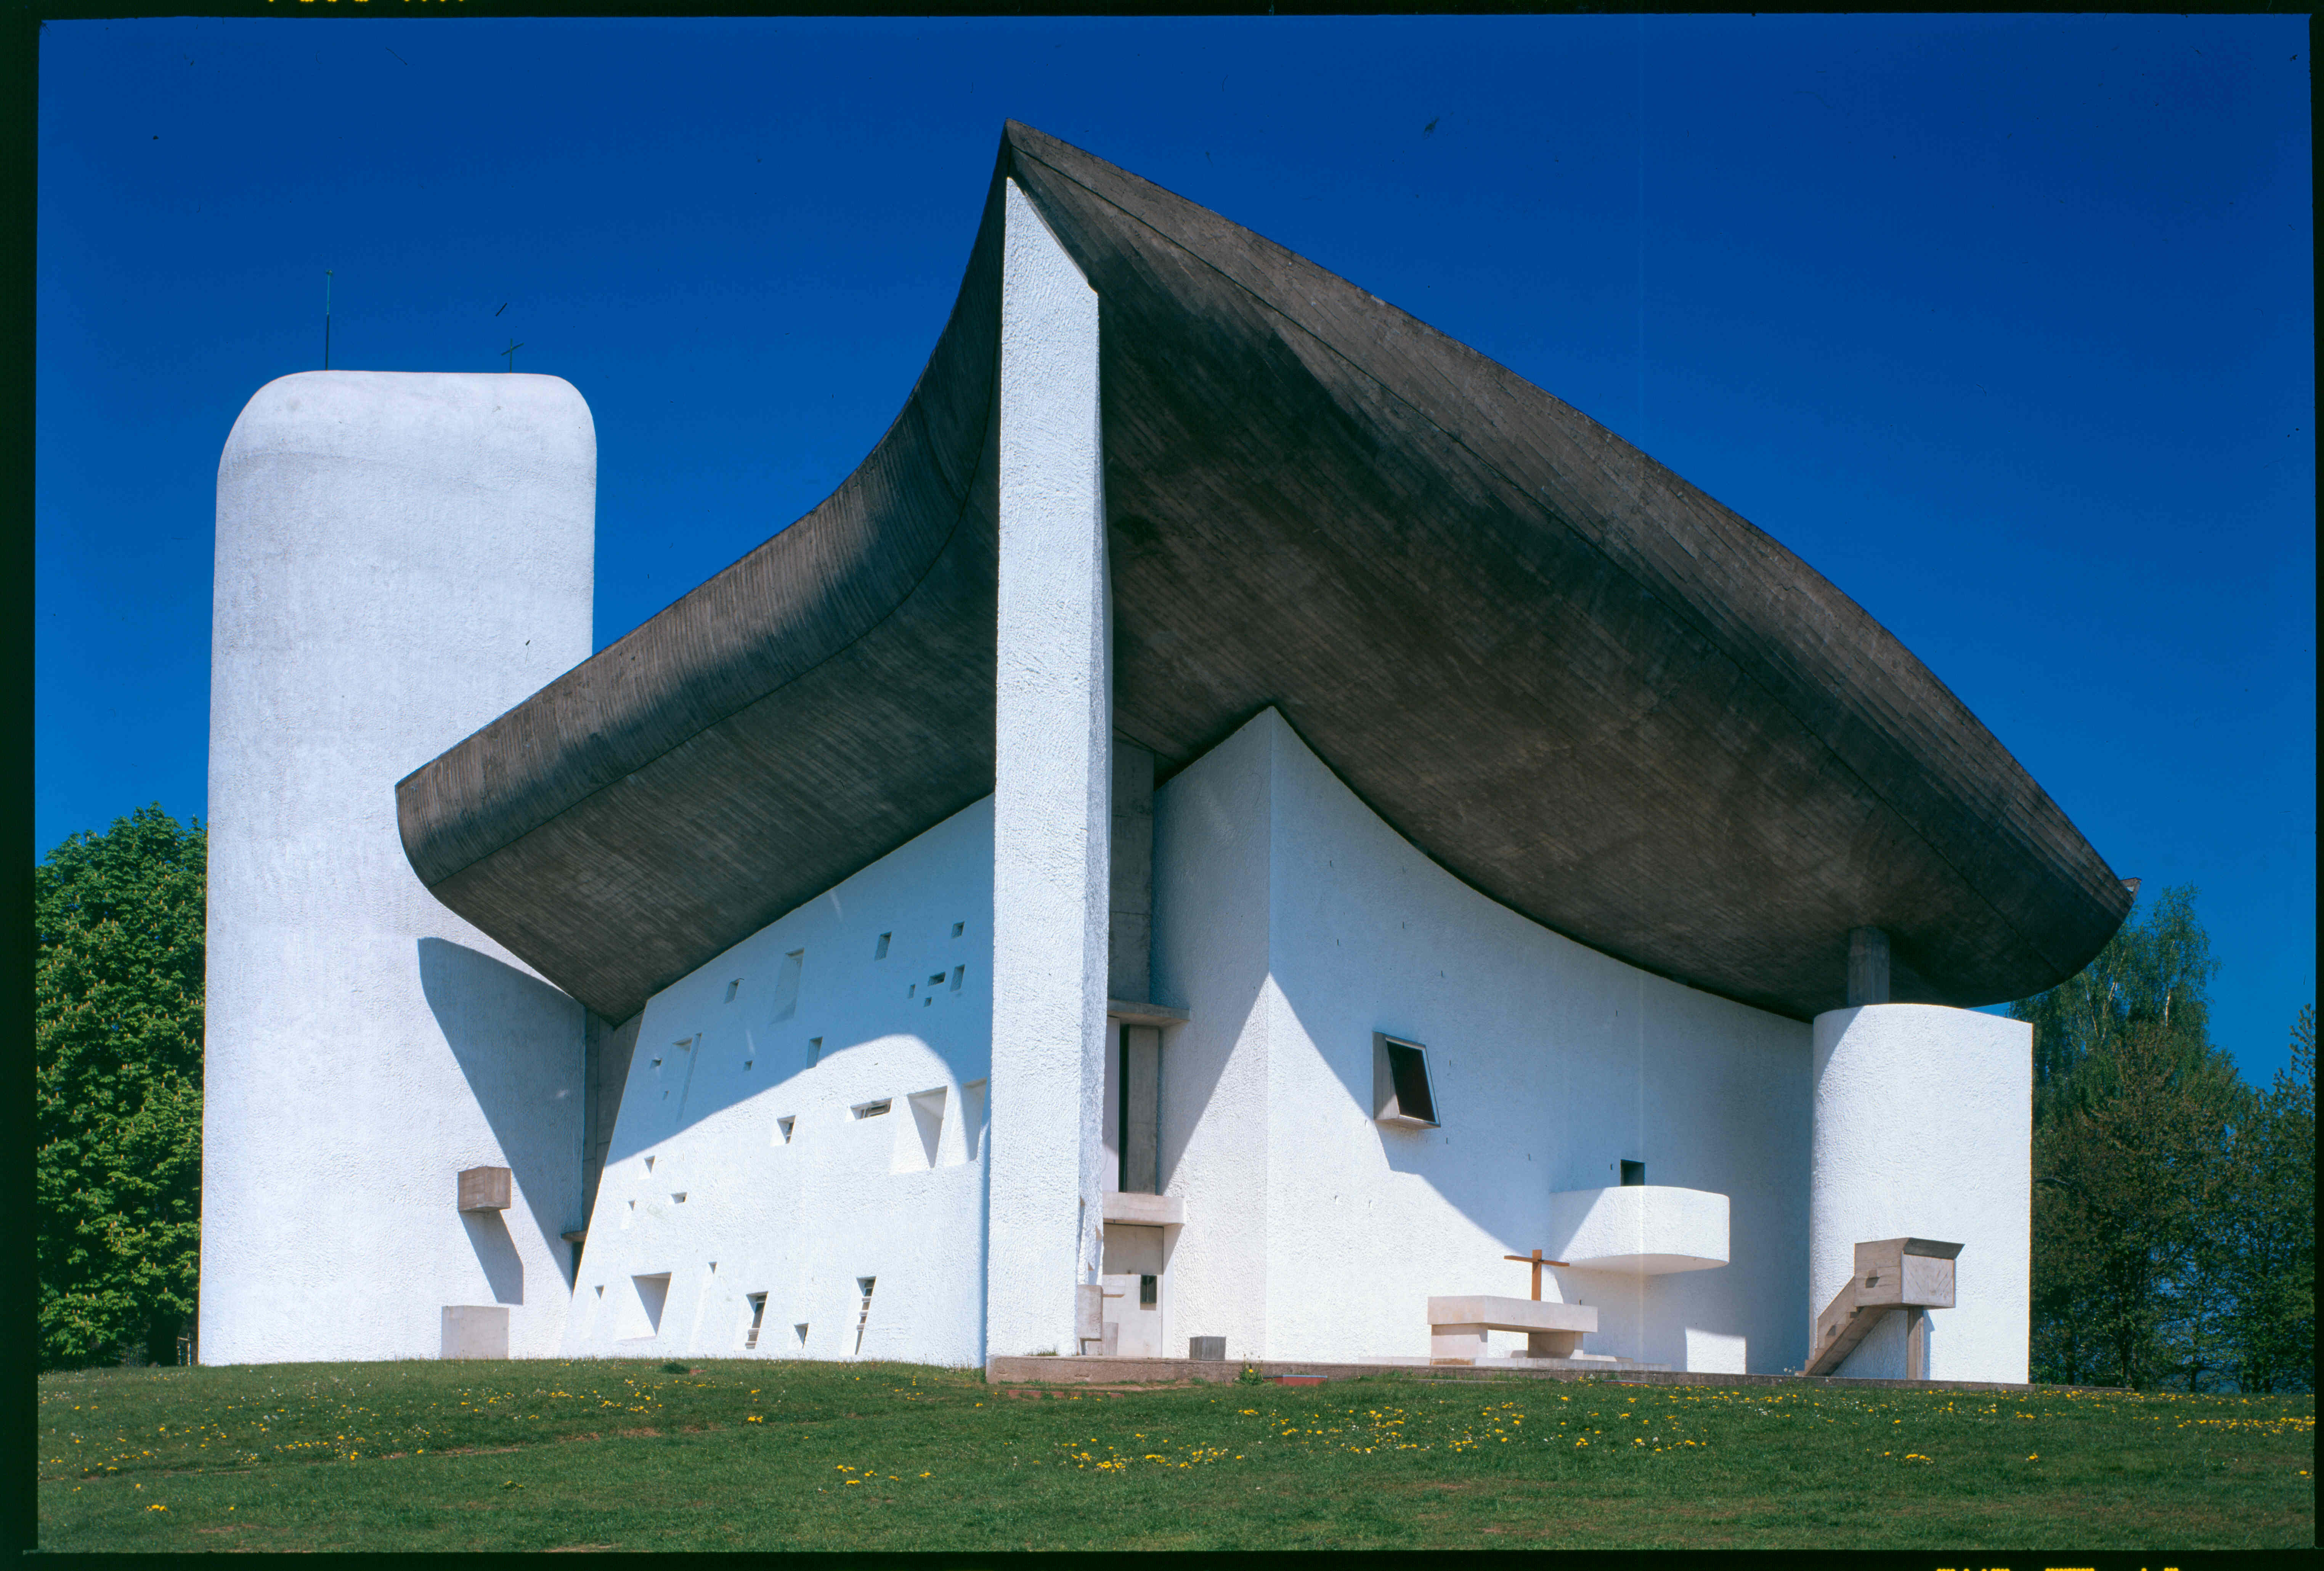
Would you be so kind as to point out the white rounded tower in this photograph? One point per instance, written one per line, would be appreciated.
(401, 559)
(1922, 1128)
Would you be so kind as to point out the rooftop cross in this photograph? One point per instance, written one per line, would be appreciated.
(1536, 1262)
(511, 353)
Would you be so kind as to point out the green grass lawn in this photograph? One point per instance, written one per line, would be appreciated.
(629, 1455)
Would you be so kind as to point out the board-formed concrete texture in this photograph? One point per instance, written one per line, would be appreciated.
(1575, 681)
(400, 558)
(1923, 1127)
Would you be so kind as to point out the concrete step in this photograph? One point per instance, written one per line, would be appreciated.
(1141, 1371)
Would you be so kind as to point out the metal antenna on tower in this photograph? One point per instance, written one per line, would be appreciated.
(327, 319)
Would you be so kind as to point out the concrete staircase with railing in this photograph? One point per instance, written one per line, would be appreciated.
(1909, 1276)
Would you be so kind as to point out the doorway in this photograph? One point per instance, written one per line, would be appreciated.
(1132, 1281)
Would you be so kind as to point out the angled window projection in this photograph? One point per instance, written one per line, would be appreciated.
(786, 984)
(1401, 1092)
(864, 1315)
(972, 1120)
(758, 1314)
(645, 1309)
(927, 1121)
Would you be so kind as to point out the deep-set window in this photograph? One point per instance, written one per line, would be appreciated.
(1401, 1091)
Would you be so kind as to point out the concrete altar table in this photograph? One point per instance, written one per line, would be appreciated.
(1457, 1326)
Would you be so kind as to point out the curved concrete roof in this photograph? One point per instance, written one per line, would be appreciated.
(1569, 676)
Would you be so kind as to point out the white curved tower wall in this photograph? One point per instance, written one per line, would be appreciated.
(401, 558)
(1923, 1127)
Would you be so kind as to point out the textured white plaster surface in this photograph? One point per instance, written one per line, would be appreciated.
(1647, 1228)
(1924, 1128)
(1294, 924)
(1051, 798)
(801, 1215)
(401, 558)
(1715, 1352)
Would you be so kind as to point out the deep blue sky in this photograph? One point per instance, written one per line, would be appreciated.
(2003, 324)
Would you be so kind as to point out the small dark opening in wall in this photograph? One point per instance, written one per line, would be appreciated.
(1145, 1291)
(880, 950)
(1634, 1174)
(758, 1315)
(1408, 1067)
(957, 928)
(878, 1109)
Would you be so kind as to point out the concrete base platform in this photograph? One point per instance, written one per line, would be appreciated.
(1097, 1371)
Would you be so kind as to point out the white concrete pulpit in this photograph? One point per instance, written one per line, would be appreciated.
(1457, 1326)
(1644, 1229)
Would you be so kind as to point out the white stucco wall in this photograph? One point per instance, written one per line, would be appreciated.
(1924, 1128)
(801, 1219)
(1293, 923)
(401, 558)
(1052, 791)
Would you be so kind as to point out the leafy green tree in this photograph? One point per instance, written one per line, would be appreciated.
(2134, 1115)
(2154, 970)
(2128, 1269)
(2274, 1272)
(2174, 1224)
(117, 1056)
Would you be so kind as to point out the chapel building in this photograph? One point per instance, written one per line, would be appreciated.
(1238, 818)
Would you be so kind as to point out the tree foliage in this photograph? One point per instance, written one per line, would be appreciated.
(2275, 1271)
(2156, 972)
(117, 1056)
(2173, 1208)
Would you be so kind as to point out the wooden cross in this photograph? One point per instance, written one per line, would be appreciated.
(511, 353)
(1536, 1262)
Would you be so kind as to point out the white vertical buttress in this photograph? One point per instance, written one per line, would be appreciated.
(1051, 799)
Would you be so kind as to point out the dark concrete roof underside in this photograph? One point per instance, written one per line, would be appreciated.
(1570, 677)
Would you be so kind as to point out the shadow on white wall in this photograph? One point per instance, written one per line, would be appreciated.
(496, 1253)
(518, 1044)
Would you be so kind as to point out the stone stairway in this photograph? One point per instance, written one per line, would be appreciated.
(1910, 1276)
